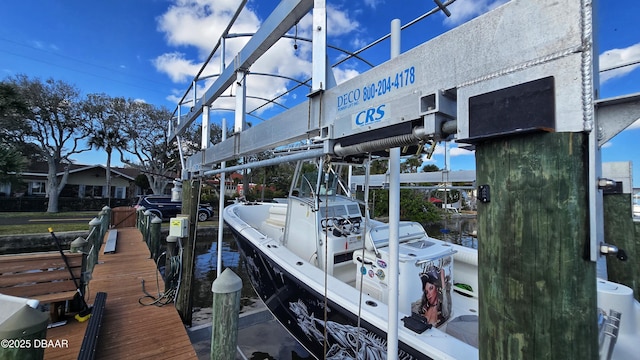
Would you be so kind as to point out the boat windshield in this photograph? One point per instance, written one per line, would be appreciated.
(310, 184)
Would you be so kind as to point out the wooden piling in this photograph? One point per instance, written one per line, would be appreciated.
(190, 200)
(146, 227)
(171, 252)
(105, 218)
(537, 295)
(139, 217)
(154, 247)
(95, 242)
(620, 230)
(226, 306)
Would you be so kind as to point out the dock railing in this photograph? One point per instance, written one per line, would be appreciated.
(98, 227)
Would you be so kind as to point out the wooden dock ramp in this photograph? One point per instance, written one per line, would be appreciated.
(129, 330)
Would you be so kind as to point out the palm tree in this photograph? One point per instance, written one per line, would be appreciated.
(105, 114)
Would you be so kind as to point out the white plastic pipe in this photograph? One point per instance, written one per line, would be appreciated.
(221, 204)
(394, 222)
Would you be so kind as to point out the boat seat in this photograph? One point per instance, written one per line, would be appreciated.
(277, 216)
(378, 237)
(464, 328)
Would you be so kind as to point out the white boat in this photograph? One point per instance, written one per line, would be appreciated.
(320, 266)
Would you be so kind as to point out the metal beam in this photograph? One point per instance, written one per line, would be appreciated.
(491, 52)
(286, 14)
(616, 114)
(464, 176)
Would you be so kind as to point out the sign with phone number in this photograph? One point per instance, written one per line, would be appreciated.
(386, 85)
(378, 88)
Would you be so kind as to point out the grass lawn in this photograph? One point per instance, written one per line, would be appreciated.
(41, 228)
(46, 215)
(39, 223)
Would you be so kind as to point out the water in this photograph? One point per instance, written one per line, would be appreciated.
(266, 338)
(260, 336)
(457, 229)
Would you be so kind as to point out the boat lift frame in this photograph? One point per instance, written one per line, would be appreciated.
(415, 97)
(427, 94)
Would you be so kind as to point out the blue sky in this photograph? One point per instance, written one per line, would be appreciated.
(151, 49)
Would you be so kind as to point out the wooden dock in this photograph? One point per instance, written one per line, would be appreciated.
(129, 330)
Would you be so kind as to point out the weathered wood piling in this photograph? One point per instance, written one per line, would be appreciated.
(537, 283)
(190, 200)
(226, 307)
(620, 230)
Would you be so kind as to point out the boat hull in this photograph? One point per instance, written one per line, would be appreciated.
(301, 310)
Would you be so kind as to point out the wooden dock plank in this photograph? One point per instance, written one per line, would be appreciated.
(130, 330)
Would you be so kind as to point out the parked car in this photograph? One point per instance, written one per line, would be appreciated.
(162, 207)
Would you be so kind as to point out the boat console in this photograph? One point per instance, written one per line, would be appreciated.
(421, 259)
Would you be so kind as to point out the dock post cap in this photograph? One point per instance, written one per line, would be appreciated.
(95, 222)
(227, 282)
(78, 245)
(172, 239)
(156, 220)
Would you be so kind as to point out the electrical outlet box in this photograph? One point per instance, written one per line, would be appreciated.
(179, 227)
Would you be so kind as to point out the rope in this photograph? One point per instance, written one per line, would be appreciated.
(175, 267)
(161, 300)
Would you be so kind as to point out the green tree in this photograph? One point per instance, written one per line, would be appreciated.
(11, 165)
(13, 111)
(148, 142)
(430, 168)
(106, 114)
(55, 125)
(413, 206)
(411, 164)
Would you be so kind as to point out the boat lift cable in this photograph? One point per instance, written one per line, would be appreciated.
(326, 250)
(367, 172)
(410, 23)
(349, 54)
(213, 51)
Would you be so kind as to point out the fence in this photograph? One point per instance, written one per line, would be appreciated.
(39, 204)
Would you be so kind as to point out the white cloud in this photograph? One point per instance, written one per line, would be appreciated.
(339, 22)
(458, 151)
(373, 3)
(454, 150)
(176, 66)
(463, 10)
(38, 44)
(199, 23)
(616, 57)
(343, 75)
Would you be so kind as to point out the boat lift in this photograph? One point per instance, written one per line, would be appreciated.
(442, 88)
(536, 56)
